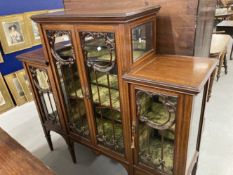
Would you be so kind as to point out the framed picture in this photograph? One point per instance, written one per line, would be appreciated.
(13, 33)
(1, 58)
(16, 88)
(24, 81)
(32, 27)
(55, 10)
(6, 102)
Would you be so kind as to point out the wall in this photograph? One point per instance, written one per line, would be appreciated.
(8, 7)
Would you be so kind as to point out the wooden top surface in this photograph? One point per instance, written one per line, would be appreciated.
(179, 73)
(35, 56)
(16, 160)
(219, 43)
(100, 13)
(225, 23)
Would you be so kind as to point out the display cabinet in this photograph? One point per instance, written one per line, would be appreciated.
(143, 124)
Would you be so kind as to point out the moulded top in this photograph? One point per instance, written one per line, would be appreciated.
(180, 73)
(35, 56)
(103, 13)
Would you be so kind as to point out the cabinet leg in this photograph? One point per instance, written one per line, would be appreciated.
(70, 145)
(49, 140)
(194, 170)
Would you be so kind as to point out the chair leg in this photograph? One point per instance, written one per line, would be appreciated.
(225, 64)
(219, 67)
(231, 52)
(211, 84)
(49, 140)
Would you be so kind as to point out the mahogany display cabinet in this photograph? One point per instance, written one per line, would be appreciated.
(107, 89)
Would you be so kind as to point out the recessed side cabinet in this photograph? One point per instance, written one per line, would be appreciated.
(45, 96)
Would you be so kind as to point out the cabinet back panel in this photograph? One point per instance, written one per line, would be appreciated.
(177, 22)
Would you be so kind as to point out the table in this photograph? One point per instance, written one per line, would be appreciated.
(226, 26)
(218, 49)
(16, 160)
(223, 13)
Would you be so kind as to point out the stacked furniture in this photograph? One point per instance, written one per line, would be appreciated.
(99, 82)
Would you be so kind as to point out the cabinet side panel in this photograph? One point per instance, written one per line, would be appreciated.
(193, 134)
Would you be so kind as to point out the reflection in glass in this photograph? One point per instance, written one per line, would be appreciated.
(67, 70)
(18, 87)
(141, 40)
(100, 58)
(156, 115)
(41, 82)
(2, 100)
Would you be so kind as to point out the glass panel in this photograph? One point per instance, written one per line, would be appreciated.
(142, 39)
(42, 85)
(67, 72)
(156, 115)
(100, 59)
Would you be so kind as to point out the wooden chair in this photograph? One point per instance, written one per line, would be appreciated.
(218, 50)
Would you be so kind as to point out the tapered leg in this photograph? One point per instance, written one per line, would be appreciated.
(231, 52)
(225, 64)
(211, 84)
(70, 145)
(194, 170)
(49, 140)
(220, 67)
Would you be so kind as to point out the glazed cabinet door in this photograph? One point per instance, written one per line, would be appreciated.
(153, 127)
(44, 97)
(101, 71)
(64, 61)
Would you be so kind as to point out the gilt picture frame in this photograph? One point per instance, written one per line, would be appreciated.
(6, 102)
(56, 10)
(25, 83)
(1, 58)
(13, 32)
(32, 27)
(16, 88)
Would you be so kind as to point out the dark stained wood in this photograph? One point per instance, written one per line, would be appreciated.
(16, 160)
(184, 27)
(36, 56)
(180, 73)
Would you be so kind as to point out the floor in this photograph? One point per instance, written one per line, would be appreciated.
(216, 154)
